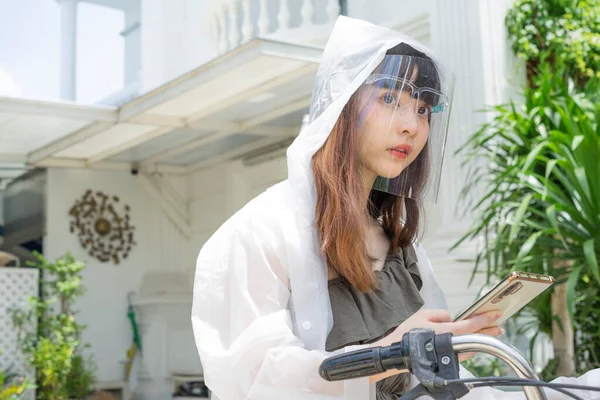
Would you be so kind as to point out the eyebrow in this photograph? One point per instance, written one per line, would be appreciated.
(397, 84)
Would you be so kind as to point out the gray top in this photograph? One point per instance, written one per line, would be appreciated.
(362, 318)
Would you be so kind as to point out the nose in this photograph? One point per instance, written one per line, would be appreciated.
(407, 122)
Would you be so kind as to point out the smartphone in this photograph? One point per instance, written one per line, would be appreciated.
(509, 295)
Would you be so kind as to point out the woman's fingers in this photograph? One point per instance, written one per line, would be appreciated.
(493, 331)
(471, 325)
(437, 315)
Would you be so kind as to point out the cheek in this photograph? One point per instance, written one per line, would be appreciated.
(377, 128)
(422, 138)
(371, 132)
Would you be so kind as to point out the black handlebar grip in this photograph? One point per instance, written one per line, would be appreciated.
(354, 364)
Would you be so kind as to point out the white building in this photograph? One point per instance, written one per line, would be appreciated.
(215, 90)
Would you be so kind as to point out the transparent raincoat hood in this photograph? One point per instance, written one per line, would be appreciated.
(355, 48)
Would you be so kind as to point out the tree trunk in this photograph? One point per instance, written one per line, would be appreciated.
(563, 337)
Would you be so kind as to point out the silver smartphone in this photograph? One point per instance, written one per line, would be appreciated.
(509, 295)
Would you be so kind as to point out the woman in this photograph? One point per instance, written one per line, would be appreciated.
(329, 260)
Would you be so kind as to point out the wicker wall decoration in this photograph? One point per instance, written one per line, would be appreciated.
(104, 232)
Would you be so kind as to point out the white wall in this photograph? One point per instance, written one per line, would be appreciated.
(174, 39)
(214, 195)
(218, 192)
(386, 11)
(159, 246)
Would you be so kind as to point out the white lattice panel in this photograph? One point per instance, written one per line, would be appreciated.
(16, 286)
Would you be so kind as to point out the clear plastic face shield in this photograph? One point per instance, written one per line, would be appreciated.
(402, 113)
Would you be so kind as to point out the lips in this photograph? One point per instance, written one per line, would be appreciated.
(401, 151)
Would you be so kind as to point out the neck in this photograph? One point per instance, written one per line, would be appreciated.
(368, 179)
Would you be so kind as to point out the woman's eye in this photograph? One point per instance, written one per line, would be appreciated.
(389, 98)
(424, 110)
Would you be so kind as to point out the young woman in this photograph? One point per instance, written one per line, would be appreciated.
(329, 259)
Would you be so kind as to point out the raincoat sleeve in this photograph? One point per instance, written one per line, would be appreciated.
(242, 324)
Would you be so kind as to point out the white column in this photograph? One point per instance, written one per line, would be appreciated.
(308, 13)
(456, 35)
(333, 10)
(224, 38)
(463, 34)
(469, 37)
(153, 40)
(132, 37)
(68, 49)
(283, 17)
(247, 24)
(263, 18)
(234, 28)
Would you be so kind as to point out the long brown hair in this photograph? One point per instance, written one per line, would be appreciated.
(341, 207)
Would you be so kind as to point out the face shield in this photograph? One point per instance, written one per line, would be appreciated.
(402, 112)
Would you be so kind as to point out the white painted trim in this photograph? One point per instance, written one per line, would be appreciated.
(127, 145)
(68, 49)
(182, 224)
(116, 4)
(251, 92)
(184, 148)
(176, 204)
(276, 131)
(73, 163)
(232, 154)
(158, 120)
(216, 67)
(417, 27)
(109, 166)
(177, 199)
(58, 109)
(84, 133)
(129, 29)
(165, 168)
(232, 127)
(277, 112)
(270, 130)
(12, 158)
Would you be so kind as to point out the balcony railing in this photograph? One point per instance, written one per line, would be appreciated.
(234, 22)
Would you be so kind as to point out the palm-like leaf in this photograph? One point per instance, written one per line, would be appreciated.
(540, 207)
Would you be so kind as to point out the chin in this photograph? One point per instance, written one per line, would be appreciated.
(390, 173)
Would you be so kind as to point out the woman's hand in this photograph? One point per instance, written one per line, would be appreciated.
(441, 322)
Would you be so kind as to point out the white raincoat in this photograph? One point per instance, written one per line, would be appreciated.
(261, 311)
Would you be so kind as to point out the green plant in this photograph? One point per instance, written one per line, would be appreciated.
(537, 164)
(49, 335)
(483, 365)
(565, 30)
(12, 387)
(540, 210)
(81, 377)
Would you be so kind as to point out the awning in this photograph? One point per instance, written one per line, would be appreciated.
(248, 99)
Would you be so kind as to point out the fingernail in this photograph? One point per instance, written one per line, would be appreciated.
(498, 315)
(502, 331)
